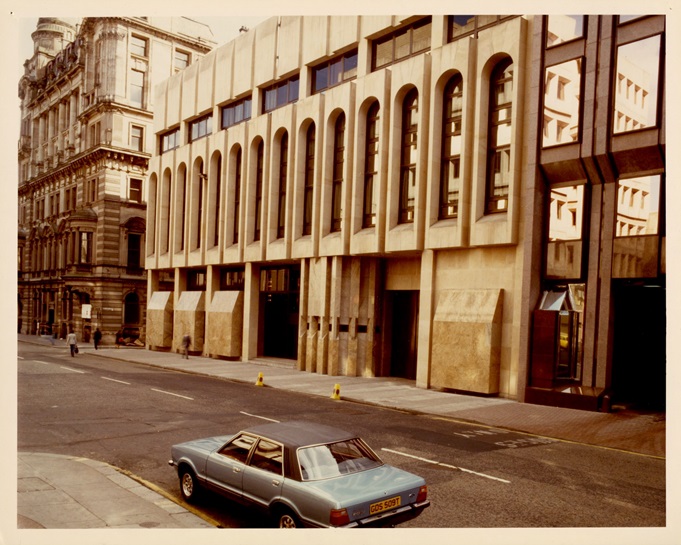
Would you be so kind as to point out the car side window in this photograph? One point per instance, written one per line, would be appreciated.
(268, 456)
(238, 448)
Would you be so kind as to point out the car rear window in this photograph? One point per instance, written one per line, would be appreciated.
(334, 459)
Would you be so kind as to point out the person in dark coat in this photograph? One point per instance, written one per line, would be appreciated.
(97, 338)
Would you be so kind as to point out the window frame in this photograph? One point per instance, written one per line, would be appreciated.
(283, 177)
(393, 37)
(137, 141)
(344, 74)
(338, 174)
(291, 85)
(408, 149)
(136, 190)
(172, 138)
(246, 105)
(200, 127)
(308, 183)
(493, 147)
(259, 189)
(447, 210)
(371, 156)
(142, 46)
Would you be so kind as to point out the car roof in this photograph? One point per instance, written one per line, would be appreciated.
(299, 433)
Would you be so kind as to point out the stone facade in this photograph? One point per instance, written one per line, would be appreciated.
(85, 143)
(374, 196)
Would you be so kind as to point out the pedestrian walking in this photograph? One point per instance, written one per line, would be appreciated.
(73, 343)
(186, 341)
(97, 338)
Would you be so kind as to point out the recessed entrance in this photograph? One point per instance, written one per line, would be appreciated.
(279, 311)
(404, 314)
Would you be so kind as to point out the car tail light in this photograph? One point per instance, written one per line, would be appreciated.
(423, 494)
(339, 517)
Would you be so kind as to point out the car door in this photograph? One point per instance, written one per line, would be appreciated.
(225, 466)
(264, 476)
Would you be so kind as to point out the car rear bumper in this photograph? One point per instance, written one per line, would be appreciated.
(391, 518)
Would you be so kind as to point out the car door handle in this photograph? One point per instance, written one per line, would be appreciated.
(236, 470)
(275, 482)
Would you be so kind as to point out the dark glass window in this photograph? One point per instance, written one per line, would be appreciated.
(401, 44)
(499, 138)
(237, 196)
(236, 112)
(200, 127)
(218, 183)
(334, 72)
(280, 94)
(337, 182)
(450, 169)
(170, 140)
(308, 190)
(408, 157)
(258, 191)
(370, 167)
(283, 170)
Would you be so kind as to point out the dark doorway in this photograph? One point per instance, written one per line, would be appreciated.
(639, 350)
(279, 304)
(404, 333)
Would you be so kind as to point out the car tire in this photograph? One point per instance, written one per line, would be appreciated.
(287, 519)
(189, 486)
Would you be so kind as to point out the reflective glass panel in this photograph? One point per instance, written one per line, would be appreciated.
(563, 28)
(562, 88)
(638, 65)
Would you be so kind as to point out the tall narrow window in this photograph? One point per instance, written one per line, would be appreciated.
(137, 88)
(499, 138)
(134, 251)
(199, 203)
(135, 194)
(258, 190)
(237, 196)
(182, 199)
(308, 190)
(181, 60)
(138, 46)
(408, 156)
(283, 167)
(137, 138)
(338, 162)
(370, 167)
(218, 179)
(450, 169)
(166, 190)
(86, 247)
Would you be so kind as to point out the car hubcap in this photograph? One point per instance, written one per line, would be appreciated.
(187, 485)
(286, 521)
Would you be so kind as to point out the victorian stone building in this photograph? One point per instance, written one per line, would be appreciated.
(474, 203)
(85, 142)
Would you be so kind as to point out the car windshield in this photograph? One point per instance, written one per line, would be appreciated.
(334, 459)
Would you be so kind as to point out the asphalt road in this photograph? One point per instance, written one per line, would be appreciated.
(129, 415)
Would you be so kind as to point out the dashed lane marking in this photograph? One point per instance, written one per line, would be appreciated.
(262, 417)
(115, 380)
(74, 370)
(172, 394)
(445, 465)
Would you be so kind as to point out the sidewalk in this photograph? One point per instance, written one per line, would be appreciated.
(62, 491)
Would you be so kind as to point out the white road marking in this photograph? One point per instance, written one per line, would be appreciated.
(114, 380)
(263, 417)
(172, 394)
(43, 362)
(20, 357)
(445, 465)
(74, 370)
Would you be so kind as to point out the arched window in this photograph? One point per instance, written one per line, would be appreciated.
(258, 190)
(283, 167)
(217, 181)
(370, 167)
(199, 181)
(131, 311)
(450, 168)
(337, 182)
(166, 189)
(410, 109)
(499, 137)
(180, 211)
(237, 195)
(308, 190)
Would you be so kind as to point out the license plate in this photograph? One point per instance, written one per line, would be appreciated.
(385, 505)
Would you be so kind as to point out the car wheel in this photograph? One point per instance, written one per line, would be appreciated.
(287, 519)
(189, 488)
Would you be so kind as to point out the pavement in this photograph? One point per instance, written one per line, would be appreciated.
(71, 492)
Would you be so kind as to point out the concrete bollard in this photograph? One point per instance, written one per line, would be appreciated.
(336, 392)
(259, 382)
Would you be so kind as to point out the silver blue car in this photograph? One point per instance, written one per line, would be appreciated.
(302, 474)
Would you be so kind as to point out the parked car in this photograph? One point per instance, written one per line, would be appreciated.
(303, 474)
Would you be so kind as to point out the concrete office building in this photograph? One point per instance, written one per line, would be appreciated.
(85, 143)
(404, 196)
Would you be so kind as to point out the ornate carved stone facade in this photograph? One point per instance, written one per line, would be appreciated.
(85, 143)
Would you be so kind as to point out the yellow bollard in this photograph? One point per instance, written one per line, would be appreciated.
(259, 382)
(336, 392)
